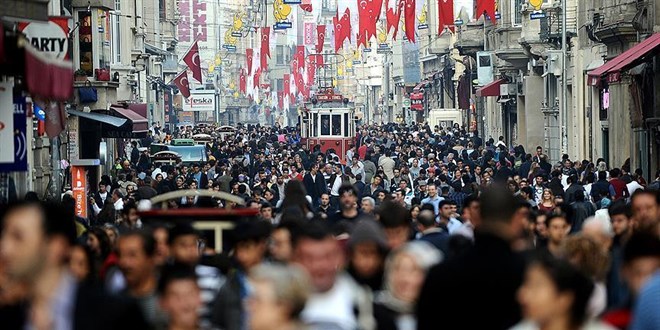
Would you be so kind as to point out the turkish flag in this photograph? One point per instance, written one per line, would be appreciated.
(256, 77)
(345, 22)
(249, 53)
(337, 29)
(487, 6)
(409, 16)
(181, 82)
(280, 100)
(192, 61)
(265, 41)
(306, 5)
(311, 69)
(300, 57)
(242, 83)
(320, 38)
(375, 7)
(445, 15)
(287, 86)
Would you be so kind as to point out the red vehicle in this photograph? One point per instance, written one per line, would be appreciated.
(329, 122)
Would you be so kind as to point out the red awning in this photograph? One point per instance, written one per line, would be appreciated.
(47, 78)
(631, 57)
(421, 85)
(492, 89)
(140, 124)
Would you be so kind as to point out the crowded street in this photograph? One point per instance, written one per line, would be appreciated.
(331, 165)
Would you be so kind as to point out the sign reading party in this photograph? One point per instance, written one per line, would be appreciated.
(49, 37)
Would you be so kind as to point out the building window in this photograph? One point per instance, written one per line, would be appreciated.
(86, 53)
(279, 54)
(516, 12)
(116, 33)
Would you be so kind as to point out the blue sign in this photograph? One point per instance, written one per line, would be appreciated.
(357, 62)
(292, 2)
(39, 112)
(230, 48)
(282, 26)
(20, 138)
(411, 72)
(422, 27)
(537, 15)
(458, 22)
(236, 34)
(367, 50)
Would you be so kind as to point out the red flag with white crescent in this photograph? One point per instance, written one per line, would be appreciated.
(345, 22)
(280, 100)
(265, 41)
(242, 82)
(487, 6)
(181, 82)
(320, 38)
(409, 16)
(256, 77)
(338, 31)
(287, 86)
(445, 15)
(306, 5)
(300, 56)
(193, 62)
(249, 53)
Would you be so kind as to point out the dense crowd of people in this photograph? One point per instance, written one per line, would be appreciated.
(413, 227)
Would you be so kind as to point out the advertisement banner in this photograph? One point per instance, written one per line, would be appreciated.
(203, 100)
(13, 131)
(50, 37)
(79, 189)
(310, 34)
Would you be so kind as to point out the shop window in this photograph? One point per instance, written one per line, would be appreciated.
(86, 46)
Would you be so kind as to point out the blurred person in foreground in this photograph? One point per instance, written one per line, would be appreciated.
(34, 248)
(277, 298)
(405, 271)
(337, 302)
(555, 295)
(179, 297)
(486, 275)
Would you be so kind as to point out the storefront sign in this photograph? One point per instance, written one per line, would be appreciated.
(79, 189)
(200, 101)
(13, 130)
(50, 37)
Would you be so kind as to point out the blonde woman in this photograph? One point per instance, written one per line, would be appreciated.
(547, 203)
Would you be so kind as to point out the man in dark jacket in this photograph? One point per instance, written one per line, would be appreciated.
(485, 277)
(573, 187)
(601, 187)
(581, 211)
(437, 236)
(314, 184)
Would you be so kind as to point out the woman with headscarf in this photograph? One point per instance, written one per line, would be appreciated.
(405, 271)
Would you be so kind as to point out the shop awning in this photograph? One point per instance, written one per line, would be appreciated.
(492, 89)
(116, 126)
(421, 85)
(625, 60)
(47, 78)
(140, 124)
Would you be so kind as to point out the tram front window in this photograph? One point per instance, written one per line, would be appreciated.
(325, 124)
(336, 124)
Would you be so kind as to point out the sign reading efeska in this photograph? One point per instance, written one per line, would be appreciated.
(200, 101)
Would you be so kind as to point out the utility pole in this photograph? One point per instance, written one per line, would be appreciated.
(386, 98)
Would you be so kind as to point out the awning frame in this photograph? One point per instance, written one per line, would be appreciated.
(491, 89)
(625, 60)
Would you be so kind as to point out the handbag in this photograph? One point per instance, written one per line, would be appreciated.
(102, 74)
(88, 94)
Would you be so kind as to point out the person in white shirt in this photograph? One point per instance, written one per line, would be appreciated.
(634, 184)
(337, 301)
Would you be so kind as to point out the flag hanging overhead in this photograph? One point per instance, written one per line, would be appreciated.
(192, 61)
(181, 82)
(488, 7)
(320, 38)
(409, 16)
(445, 15)
(265, 47)
(249, 54)
(242, 82)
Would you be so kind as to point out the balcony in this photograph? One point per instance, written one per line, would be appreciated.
(24, 10)
(508, 48)
(617, 21)
(104, 4)
(106, 92)
(441, 45)
(470, 38)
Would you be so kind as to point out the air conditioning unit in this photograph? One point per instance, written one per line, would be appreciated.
(508, 89)
(485, 63)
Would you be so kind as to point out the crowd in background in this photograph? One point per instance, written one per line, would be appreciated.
(413, 227)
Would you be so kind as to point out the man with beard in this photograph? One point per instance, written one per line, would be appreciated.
(348, 206)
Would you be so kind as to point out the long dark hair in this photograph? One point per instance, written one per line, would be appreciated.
(104, 242)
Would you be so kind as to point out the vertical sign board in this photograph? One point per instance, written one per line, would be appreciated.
(79, 188)
(13, 131)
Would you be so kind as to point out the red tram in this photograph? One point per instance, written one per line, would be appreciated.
(328, 121)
